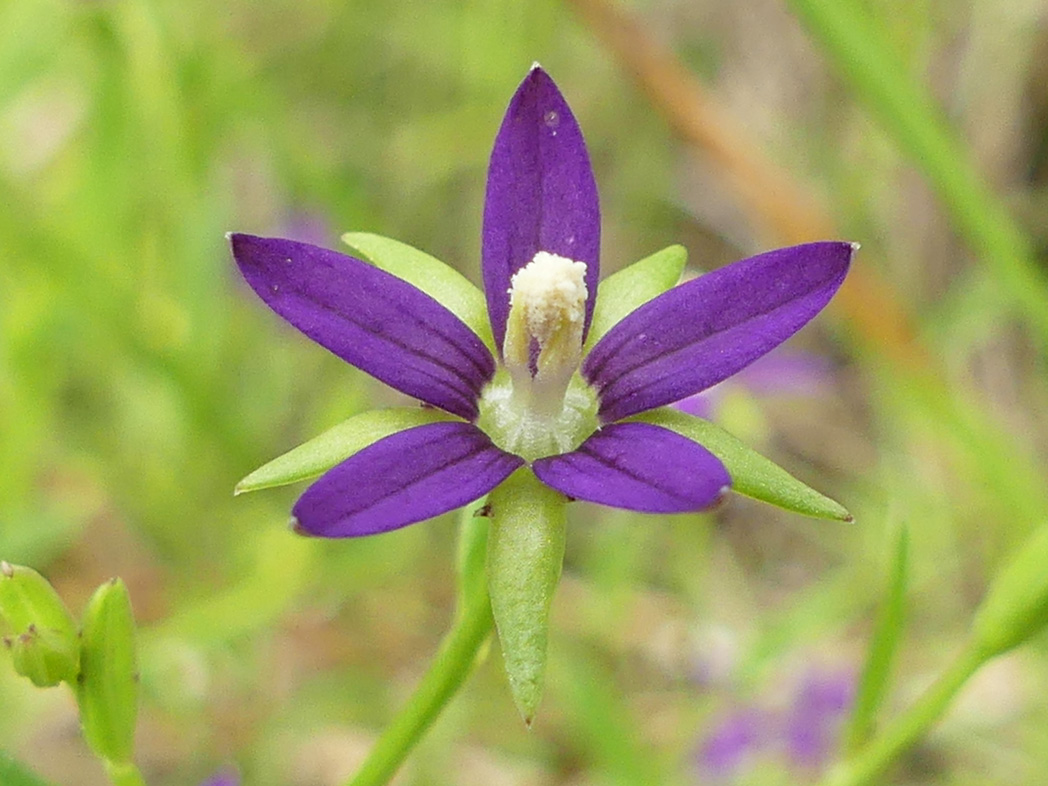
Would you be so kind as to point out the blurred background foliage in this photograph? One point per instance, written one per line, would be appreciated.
(139, 380)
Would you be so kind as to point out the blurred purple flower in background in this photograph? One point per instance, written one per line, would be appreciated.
(803, 736)
(308, 226)
(737, 737)
(781, 373)
(812, 725)
(224, 777)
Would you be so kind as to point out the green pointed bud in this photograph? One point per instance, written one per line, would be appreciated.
(45, 656)
(525, 554)
(1016, 605)
(27, 598)
(43, 644)
(108, 689)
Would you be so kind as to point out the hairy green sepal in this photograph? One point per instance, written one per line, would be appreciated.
(108, 687)
(633, 286)
(751, 473)
(338, 443)
(437, 279)
(525, 554)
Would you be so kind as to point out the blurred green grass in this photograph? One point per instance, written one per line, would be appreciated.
(139, 381)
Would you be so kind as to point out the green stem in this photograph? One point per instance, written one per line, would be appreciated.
(453, 663)
(124, 774)
(873, 759)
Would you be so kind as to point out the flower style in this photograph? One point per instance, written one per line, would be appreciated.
(572, 387)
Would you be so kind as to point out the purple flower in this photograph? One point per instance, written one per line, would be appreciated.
(534, 400)
(813, 723)
(779, 373)
(223, 778)
(801, 736)
(736, 739)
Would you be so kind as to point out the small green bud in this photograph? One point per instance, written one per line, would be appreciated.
(43, 642)
(27, 599)
(525, 555)
(1016, 605)
(45, 656)
(108, 686)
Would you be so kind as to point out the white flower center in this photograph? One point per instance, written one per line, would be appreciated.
(547, 311)
(538, 405)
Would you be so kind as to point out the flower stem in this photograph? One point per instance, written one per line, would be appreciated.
(454, 661)
(874, 758)
(124, 774)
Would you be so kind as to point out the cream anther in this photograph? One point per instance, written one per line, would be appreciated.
(551, 291)
(548, 309)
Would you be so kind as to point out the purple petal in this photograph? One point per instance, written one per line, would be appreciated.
(410, 476)
(541, 195)
(638, 466)
(701, 332)
(370, 319)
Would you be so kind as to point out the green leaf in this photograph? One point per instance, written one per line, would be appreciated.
(437, 279)
(338, 443)
(1016, 605)
(886, 636)
(525, 555)
(751, 473)
(108, 687)
(633, 286)
(869, 60)
(12, 773)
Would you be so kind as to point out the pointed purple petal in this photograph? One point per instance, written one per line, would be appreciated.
(638, 466)
(370, 319)
(702, 332)
(541, 195)
(408, 477)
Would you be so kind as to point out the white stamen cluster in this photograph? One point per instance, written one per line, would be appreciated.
(548, 308)
(551, 292)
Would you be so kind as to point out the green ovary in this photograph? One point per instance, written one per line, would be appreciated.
(518, 429)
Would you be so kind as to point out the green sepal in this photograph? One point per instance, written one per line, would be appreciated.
(633, 286)
(107, 693)
(887, 633)
(525, 555)
(44, 655)
(1016, 605)
(437, 279)
(751, 473)
(44, 645)
(338, 443)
